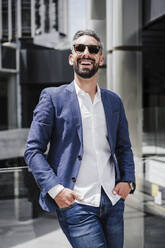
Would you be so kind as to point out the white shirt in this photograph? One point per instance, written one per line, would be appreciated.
(95, 169)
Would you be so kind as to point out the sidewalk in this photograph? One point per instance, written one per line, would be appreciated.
(142, 228)
(54, 239)
(18, 230)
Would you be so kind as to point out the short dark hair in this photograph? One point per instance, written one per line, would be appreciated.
(89, 32)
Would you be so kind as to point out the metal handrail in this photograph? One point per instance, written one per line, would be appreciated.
(12, 169)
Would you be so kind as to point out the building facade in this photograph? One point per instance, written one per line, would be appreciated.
(34, 47)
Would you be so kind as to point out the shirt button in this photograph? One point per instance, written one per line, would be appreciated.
(79, 157)
(73, 179)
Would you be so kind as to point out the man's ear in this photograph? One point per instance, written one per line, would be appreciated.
(70, 59)
(101, 62)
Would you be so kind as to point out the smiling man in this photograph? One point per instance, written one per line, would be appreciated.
(89, 169)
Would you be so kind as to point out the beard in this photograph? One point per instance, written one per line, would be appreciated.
(86, 72)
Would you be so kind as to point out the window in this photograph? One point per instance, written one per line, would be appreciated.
(8, 108)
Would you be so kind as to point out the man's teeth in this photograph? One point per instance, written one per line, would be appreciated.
(85, 63)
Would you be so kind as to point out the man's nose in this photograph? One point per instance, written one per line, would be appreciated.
(86, 51)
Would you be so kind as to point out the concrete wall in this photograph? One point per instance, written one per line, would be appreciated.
(12, 143)
(124, 61)
(96, 20)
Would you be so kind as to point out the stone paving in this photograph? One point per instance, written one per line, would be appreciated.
(17, 230)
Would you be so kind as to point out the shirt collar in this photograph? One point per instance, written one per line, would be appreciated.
(82, 92)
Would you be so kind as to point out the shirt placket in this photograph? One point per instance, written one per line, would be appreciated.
(94, 130)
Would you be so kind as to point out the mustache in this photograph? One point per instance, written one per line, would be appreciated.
(78, 60)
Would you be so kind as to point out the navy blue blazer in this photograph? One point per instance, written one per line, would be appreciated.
(57, 120)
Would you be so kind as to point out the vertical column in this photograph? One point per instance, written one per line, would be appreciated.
(19, 19)
(124, 60)
(51, 14)
(0, 56)
(109, 43)
(18, 88)
(42, 16)
(12, 102)
(0, 34)
(32, 18)
(16, 81)
(9, 21)
(96, 20)
(124, 76)
(63, 17)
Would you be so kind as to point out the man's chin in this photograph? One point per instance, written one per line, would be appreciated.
(86, 73)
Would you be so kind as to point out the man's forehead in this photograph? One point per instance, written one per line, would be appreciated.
(85, 39)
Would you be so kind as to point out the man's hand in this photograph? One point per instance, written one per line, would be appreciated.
(122, 189)
(66, 198)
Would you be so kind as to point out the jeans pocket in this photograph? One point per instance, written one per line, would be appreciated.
(67, 208)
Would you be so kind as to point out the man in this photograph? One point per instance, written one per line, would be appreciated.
(89, 170)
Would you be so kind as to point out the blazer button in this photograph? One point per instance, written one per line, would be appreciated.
(73, 179)
(79, 157)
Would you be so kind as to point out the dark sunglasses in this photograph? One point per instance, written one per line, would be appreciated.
(93, 49)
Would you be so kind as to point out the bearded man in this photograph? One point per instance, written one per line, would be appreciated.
(89, 170)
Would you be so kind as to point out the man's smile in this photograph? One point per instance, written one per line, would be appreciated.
(86, 62)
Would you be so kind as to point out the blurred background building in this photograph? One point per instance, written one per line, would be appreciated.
(35, 39)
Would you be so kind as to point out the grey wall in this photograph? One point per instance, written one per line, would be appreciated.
(12, 143)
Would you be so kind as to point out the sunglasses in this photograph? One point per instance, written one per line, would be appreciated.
(93, 49)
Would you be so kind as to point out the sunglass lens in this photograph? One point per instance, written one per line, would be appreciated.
(93, 49)
(79, 48)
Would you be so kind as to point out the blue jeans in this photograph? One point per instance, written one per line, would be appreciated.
(94, 227)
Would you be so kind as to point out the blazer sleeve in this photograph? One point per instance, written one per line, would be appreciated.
(38, 139)
(123, 152)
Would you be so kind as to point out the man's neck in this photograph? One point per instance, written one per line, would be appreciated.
(89, 85)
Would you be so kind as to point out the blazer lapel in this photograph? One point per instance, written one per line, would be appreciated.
(108, 115)
(75, 110)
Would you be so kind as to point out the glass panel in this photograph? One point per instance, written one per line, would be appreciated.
(26, 18)
(8, 52)
(5, 19)
(8, 103)
(154, 131)
(154, 154)
(20, 214)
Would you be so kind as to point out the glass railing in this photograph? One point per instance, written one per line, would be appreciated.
(154, 154)
(18, 184)
(154, 131)
(22, 221)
